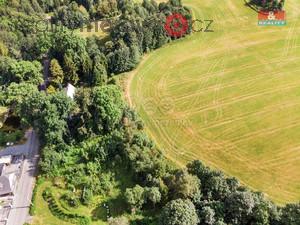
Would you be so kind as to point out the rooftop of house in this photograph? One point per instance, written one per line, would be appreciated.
(70, 91)
(7, 184)
(5, 159)
(10, 167)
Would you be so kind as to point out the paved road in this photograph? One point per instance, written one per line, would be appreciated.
(19, 213)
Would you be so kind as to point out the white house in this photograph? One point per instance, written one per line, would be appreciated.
(70, 91)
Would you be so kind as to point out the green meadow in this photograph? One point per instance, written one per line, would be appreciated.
(230, 97)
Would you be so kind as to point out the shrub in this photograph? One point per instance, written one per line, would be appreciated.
(10, 137)
(71, 199)
(57, 211)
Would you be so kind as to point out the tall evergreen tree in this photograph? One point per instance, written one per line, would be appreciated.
(57, 73)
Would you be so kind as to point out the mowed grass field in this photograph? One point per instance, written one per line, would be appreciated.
(230, 98)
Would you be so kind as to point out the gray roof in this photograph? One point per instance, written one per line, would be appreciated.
(5, 186)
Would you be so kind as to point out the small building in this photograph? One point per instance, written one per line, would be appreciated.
(70, 91)
(7, 185)
(6, 159)
(10, 169)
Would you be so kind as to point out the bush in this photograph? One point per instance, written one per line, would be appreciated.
(58, 212)
(14, 136)
(118, 221)
(71, 199)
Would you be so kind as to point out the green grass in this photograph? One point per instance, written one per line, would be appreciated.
(230, 98)
(95, 210)
(42, 212)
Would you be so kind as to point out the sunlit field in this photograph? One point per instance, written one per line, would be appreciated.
(230, 97)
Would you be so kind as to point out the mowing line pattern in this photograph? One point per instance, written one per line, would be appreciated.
(230, 98)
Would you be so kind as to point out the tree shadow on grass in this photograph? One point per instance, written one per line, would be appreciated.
(99, 213)
(252, 4)
(116, 204)
(112, 208)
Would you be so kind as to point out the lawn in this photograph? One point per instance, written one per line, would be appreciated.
(95, 210)
(230, 97)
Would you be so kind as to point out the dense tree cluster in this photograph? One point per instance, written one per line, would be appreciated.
(268, 4)
(71, 16)
(86, 139)
(138, 28)
(19, 71)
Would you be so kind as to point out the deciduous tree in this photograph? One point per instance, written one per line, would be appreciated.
(107, 108)
(179, 212)
(135, 197)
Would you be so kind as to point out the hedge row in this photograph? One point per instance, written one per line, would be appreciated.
(58, 212)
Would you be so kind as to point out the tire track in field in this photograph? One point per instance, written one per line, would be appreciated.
(270, 109)
(221, 49)
(233, 151)
(235, 70)
(280, 156)
(196, 100)
(203, 91)
(129, 81)
(288, 40)
(253, 65)
(237, 131)
(227, 148)
(168, 139)
(230, 101)
(263, 132)
(162, 79)
(226, 132)
(218, 79)
(166, 136)
(148, 101)
(282, 162)
(234, 128)
(174, 137)
(218, 87)
(262, 75)
(230, 150)
(219, 76)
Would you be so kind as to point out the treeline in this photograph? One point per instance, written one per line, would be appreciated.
(138, 29)
(268, 4)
